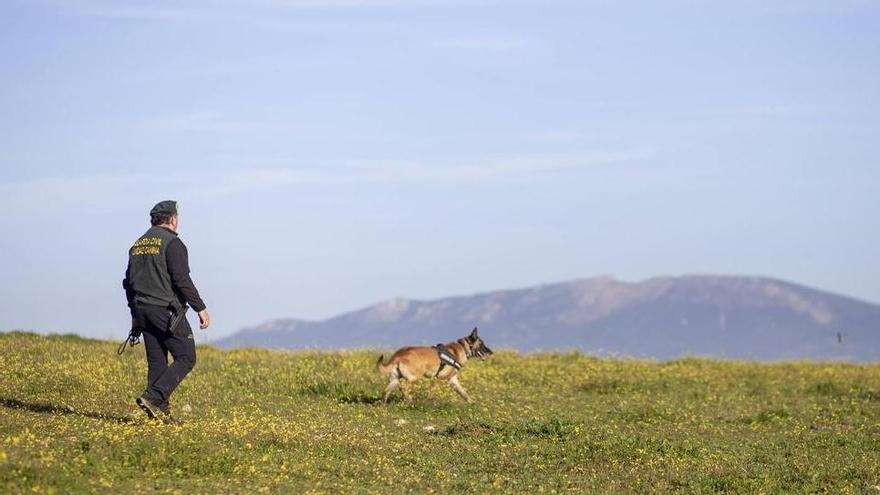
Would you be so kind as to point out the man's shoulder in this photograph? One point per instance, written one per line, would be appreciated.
(175, 244)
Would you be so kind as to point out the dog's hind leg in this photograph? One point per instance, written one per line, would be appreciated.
(458, 388)
(392, 385)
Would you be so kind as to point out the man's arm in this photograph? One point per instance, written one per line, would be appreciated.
(129, 292)
(177, 258)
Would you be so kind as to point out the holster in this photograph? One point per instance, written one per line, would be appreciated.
(178, 312)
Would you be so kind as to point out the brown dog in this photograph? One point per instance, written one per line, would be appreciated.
(441, 361)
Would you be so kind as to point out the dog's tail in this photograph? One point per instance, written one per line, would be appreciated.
(382, 366)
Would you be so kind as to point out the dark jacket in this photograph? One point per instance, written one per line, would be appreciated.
(158, 271)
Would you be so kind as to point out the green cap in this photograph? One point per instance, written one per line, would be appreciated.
(167, 206)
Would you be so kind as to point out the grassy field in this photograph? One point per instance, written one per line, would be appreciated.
(265, 421)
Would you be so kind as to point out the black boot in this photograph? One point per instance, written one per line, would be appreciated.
(152, 410)
(171, 420)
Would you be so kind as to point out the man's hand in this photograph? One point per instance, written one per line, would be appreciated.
(204, 319)
(137, 325)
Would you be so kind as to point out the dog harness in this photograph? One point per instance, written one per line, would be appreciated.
(446, 359)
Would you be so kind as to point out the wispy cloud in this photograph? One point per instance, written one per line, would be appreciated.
(484, 42)
(212, 183)
(207, 122)
(776, 110)
(259, 15)
(300, 16)
(270, 12)
(259, 20)
(554, 136)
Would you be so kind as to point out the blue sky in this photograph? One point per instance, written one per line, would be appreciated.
(328, 155)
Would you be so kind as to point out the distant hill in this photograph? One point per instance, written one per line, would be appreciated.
(663, 317)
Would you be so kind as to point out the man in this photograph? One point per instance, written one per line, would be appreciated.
(157, 285)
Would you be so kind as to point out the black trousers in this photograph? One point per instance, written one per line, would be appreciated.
(163, 378)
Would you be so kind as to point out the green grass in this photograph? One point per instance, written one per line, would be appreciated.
(267, 421)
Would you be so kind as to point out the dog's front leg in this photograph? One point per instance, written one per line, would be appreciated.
(435, 382)
(458, 388)
(405, 390)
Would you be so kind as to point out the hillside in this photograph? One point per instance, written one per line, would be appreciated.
(664, 318)
(260, 421)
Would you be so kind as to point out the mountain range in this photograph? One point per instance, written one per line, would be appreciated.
(664, 317)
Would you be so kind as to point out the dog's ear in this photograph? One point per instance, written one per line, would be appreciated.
(474, 333)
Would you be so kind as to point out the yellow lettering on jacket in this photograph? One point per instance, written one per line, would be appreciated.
(146, 246)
